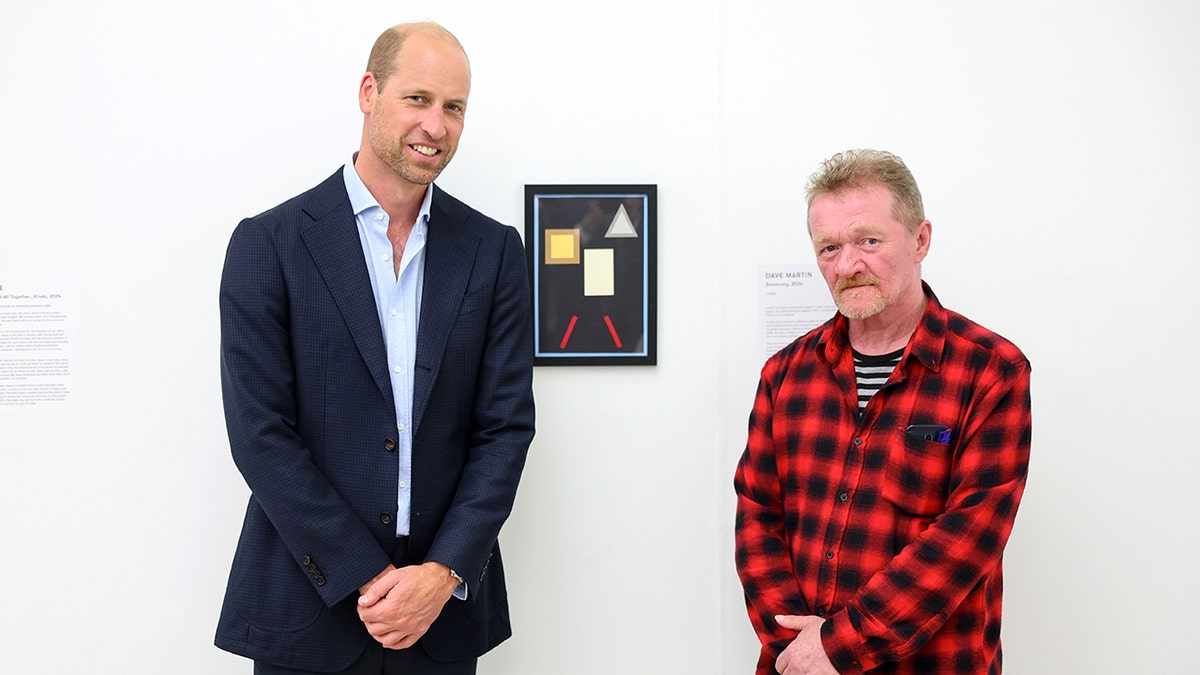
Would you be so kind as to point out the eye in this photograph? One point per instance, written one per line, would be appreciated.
(871, 241)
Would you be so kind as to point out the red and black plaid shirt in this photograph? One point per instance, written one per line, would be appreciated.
(895, 540)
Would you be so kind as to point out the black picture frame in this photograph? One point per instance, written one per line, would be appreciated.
(593, 269)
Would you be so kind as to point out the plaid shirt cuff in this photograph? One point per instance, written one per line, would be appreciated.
(843, 645)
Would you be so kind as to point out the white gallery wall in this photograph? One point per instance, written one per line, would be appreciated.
(1055, 144)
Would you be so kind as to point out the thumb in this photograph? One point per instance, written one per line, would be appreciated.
(372, 595)
(377, 588)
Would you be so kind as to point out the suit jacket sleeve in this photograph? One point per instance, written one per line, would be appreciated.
(501, 419)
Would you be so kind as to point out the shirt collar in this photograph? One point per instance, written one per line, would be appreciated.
(361, 198)
(926, 344)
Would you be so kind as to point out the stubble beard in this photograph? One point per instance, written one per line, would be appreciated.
(854, 307)
(395, 155)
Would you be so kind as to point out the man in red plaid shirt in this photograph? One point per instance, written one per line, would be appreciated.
(886, 456)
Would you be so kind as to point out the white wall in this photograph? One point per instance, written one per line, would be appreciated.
(1054, 143)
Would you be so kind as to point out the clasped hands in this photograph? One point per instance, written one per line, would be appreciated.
(805, 655)
(400, 604)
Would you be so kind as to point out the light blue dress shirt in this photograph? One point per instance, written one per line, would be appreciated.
(399, 303)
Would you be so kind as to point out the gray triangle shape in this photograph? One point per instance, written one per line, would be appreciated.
(621, 226)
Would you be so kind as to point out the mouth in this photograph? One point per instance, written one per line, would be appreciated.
(426, 150)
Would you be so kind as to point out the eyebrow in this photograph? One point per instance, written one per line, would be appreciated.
(855, 231)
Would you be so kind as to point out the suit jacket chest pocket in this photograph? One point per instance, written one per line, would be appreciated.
(918, 476)
(473, 312)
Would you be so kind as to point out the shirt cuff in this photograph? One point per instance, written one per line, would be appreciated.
(843, 644)
(461, 591)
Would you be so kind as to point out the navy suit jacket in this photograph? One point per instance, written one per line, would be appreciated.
(311, 421)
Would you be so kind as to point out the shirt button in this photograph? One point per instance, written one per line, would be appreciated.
(858, 441)
(389, 445)
(378, 216)
(843, 497)
(400, 426)
(401, 484)
(829, 554)
(399, 369)
(394, 312)
(820, 611)
(385, 518)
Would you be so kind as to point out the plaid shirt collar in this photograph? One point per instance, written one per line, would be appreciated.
(927, 345)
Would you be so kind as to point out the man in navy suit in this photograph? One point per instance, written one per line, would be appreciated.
(376, 366)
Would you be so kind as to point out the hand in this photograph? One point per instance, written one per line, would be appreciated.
(362, 590)
(399, 606)
(805, 655)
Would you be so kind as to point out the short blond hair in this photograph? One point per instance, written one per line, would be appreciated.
(382, 61)
(857, 169)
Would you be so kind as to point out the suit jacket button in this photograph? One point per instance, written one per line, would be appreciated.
(306, 560)
(320, 581)
(389, 445)
(385, 518)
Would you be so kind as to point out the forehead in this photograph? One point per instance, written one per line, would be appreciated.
(857, 210)
(426, 55)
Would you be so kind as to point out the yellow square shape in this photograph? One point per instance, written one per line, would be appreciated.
(562, 247)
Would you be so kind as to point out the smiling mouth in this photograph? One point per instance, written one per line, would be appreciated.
(425, 150)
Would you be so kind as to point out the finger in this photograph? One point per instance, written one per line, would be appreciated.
(369, 614)
(379, 630)
(387, 639)
(409, 640)
(392, 640)
(797, 621)
(380, 588)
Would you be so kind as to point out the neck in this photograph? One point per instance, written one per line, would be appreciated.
(889, 330)
(396, 196)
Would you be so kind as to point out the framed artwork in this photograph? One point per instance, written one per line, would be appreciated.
(592, 267)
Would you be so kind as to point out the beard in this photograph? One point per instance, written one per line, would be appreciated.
(863, 301)
(396, 155)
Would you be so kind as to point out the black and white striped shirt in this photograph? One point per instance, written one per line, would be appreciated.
(872, 372)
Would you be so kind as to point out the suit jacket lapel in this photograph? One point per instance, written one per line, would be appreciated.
(449, 258)
(333, 242)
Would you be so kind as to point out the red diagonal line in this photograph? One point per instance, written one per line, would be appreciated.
(570, 327)
(612, 330)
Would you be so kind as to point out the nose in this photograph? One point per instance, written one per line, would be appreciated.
(434, 123)
(849, 261)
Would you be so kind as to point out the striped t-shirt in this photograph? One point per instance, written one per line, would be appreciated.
(872, 372)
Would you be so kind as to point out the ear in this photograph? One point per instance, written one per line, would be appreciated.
(367, 91)
(923, 234)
